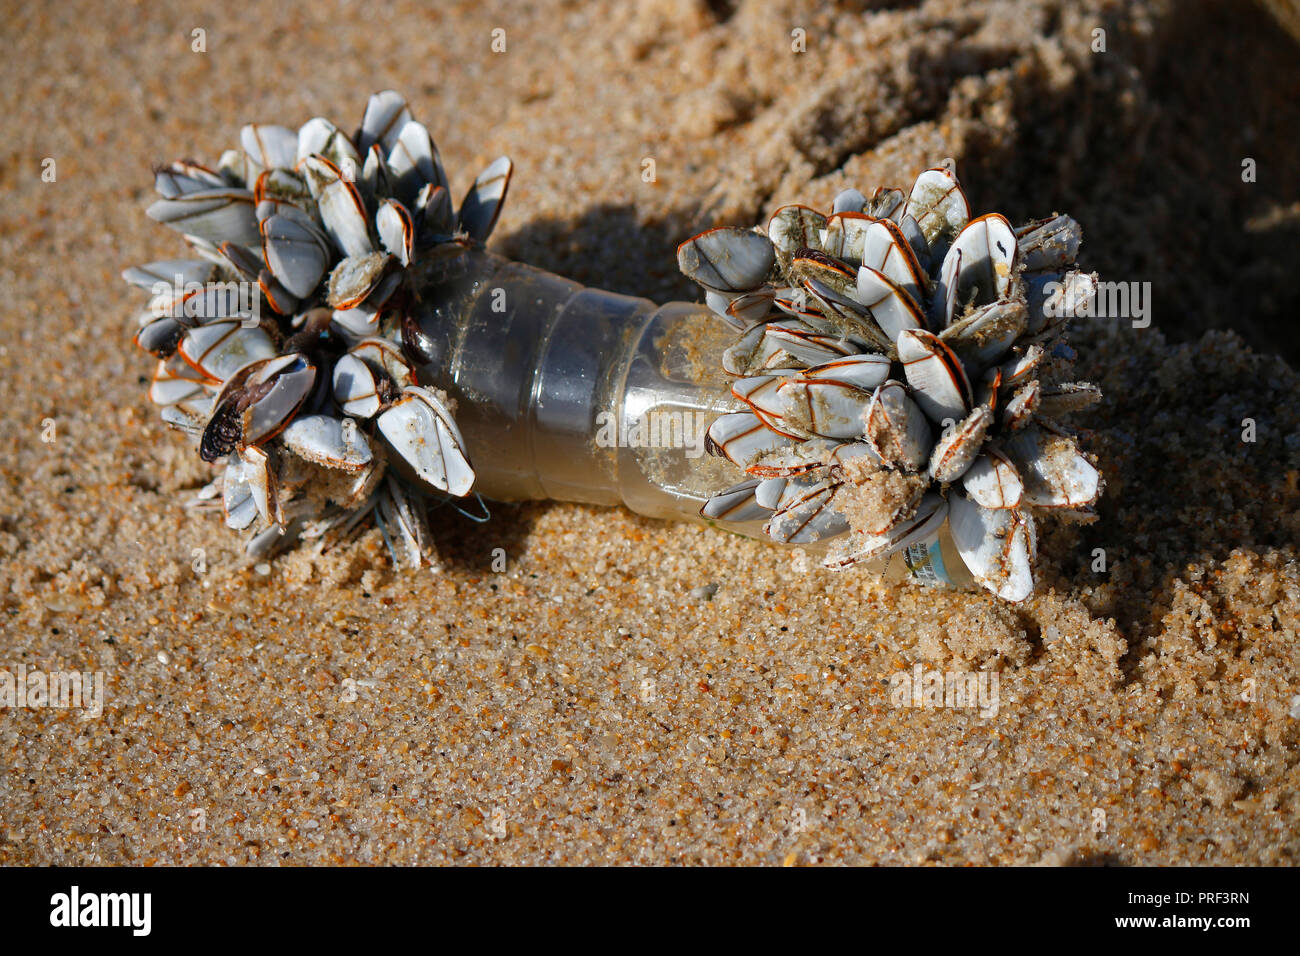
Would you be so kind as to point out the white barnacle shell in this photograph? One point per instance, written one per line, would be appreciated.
(284, 383)
(938, 207)
(328, 441)
(955, 452)
(741, 437)
(893, 308)
(413, 162)
(296, 252)
(800, 458)
(849, 200)
(217, 350)
(249, 490)
(396, 230)
(935, 374)
(356, 387)
(737, 503)
(385, 117)
(886, 202)
(886, 251)
(482, 204)
(319, 137)
(237, 496)
(781, 345)
(795, 227)
(804, 513)
(220, 213)
(896, 429)
(267, 147)
(1019, 410)
(404, 525)
(1056, 474)
(982, 258)
(179, 178)
(999, 546)
(826, 407)
(420, 429)
(740, 309)
(987, 333)
(992, 481)
(174, 382)
(833, 286)
(360, 319)
(1049, 244)
(726, 259)
(342, 211)
(355, 278)
(169, 272)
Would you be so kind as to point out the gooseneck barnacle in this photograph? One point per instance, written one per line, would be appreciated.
(901, 368)
(280, 346)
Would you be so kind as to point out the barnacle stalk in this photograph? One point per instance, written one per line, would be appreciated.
(387, 359)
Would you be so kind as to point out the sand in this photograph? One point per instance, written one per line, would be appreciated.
(627, 690)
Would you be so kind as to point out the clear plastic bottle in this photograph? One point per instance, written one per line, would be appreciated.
(577, 394)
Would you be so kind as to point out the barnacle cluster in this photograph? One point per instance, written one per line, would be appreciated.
(900, 365)
(280, 342)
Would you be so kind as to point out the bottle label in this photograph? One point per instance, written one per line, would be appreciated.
(925, 560)
(934, 562)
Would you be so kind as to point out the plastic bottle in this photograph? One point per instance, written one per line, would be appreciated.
(578, 394)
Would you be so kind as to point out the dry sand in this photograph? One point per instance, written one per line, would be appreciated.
(591, 703)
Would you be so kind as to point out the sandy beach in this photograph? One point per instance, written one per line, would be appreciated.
(627, 690)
